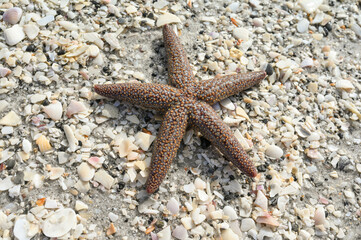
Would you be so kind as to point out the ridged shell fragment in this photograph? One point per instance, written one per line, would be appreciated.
(12, 15)
(43, 144)
(59, 223)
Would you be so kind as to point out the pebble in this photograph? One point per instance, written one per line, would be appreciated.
(59, 223)
(241, 33)
(302, 25)
(113, 217)
(104, 179)
(14, 35)
(86, 172)
(274, 152)
(54, 110)
(12, 15)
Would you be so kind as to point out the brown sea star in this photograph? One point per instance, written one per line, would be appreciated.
(188, 103)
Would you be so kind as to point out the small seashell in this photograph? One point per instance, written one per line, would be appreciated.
(73, 142)
(26, 145)
(23, 229)
(307, 62)
(31, 30)
(230, 212)
(111, 38)
(167, 18)
(45, 20)
(43, 144)
(68, 25)
(79, 205)
(356, 28)
(345, 85)
(187, 222)
(4, 72)
(14, 35)
(173, 206)
(96, 162)
(202, 195)
(320, 217)
(228, 104)
(75, 107)
(56, 172)
(93, 51)
(12, 15)
(7, 130)
(247, 224)
(51, 204)
(228, 234)
(218, 214)
(241, 33)
(189, 188)
(267, 219)
(144, 140)
(111, 229)
(200, 184)
(54, 110)
(165, 234)
(302, 25)
(104, 178)
(310, 6)
(86, 172)
(59, 223)
(180, 233)
(197, 217)
(6, 183)
(274, 151)
(261, 200)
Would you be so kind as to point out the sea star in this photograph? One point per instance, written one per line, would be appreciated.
(188, 103)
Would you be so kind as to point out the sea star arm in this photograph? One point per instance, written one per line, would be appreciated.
(216, 89)
(148, 95)
(168, 140)
(205, 119)
(179, 70)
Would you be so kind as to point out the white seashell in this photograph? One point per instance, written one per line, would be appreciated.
(73, 142)
(218, 214)
(197, 217)
(187, 222)
(43, 144)
(79, 205)
(228, 234)
(7, 130)
(274, 151)
(202, 195)
(173, 206)
(261, 200)
(268, 219)
(51, 204)
(165, 234)
(68, 25)
(96, 162)
(310, 6)
(26, 146)
(75, 107)
(93, 51)
(189, 188)
(281, 203)
(345, 85)
(104, 178)
(180, 233)
(12, 15)
(230, 212)
(131, 9)
(247, 224)
(4, 72)
(31, 30)
(226, 103)
(6, 183)
(320, 217)
(356, 28)
(54, 110)
(302, 25)
(59, 223)
(200, 184)
(86, 172)
(241, 33)
(23, 229)
(307, 62)
(167, 18)
(45, 20)
(14, 35)
(56, 172)
(144, 140)
(111, 38)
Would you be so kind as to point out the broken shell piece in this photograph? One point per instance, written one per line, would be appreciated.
(43, 144)
(96, 162)
(73, 142)
(56, 172)
(31, 30)
(320, 217)
(59, 223)
(144, 140)
(14, 35)
(345, 85)
(23, 229)
(86, 172)
(4, 72)
(274, 151)
(54, 110)
(173, 206)
(180, 233)
(75, 107)
(12, 15)
(167, 18)
(261, 200)
(267, 219)
(10, 119)
(104, 178)
(111, 230)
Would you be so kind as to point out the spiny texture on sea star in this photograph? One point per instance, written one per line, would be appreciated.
(186, 104)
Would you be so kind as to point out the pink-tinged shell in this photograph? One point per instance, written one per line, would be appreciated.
(323, 200)
(54, 110)
(268, 219)
(75, 107)
(12, 15)
(95, 162)
(43, 144)
(320, 217)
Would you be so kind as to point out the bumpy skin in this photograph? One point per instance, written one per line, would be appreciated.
(188, 103)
